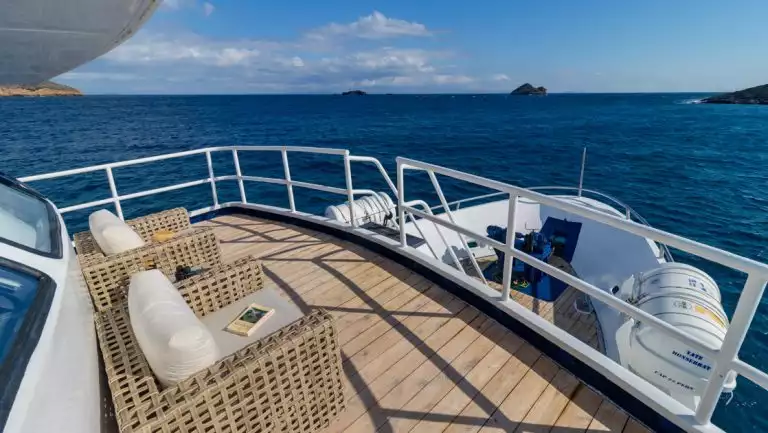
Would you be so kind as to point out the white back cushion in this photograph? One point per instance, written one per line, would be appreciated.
(174, 341)
(112, 234)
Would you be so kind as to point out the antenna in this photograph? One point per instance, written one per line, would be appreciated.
(583, 164)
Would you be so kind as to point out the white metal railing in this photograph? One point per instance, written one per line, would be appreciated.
(628, 212)
(116, 199)
(725, 357)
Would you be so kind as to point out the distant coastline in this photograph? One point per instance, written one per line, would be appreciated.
(757, 95)
(353, 93)
(527, 89)
(47, 88)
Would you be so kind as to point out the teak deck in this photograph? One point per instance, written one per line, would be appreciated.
(415, 357)
(561, 312)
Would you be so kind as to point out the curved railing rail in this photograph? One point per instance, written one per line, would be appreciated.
(117, 198)
(725, 357)
(628, 211)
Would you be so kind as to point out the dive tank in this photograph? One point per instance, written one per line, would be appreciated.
(688, 299)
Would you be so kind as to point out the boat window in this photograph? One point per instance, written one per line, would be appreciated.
(17, 290)
(25, 300)
(27, 220)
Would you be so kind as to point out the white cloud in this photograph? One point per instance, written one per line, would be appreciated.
(391, 58)
(452, 79)
(208, 9)
(184, 63)
(263, 66)
(171, 4)
(176, 4)
(374, 26)
(89, 76)
(158, 48)
(500, 77)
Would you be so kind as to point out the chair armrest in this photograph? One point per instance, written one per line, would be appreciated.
(88, 251)
(175, 220)
(222, 285)
(289, 381)
(108, 279)
(129, 376)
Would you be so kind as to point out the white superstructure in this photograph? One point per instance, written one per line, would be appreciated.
(40, 39)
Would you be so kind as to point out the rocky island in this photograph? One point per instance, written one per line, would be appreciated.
(46, 88)
(753, 95)
(353, 93)
(528, 89)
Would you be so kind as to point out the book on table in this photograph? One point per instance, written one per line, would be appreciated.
(250, 319)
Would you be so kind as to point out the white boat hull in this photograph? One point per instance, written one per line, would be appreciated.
(42, 39)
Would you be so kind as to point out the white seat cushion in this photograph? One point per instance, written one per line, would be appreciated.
(174, 341)
(112, 234)
(229, 343)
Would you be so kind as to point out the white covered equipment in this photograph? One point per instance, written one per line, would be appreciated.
(377, 208)
(689, 300)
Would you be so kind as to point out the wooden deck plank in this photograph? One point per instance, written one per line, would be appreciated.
(578, 414)
(634, 426)
(415, 357)
(550, 404)
(515, 407)
(444, 412)
(394, 311)
(371, 362)
(468, 342)
(357, 308)
(561, 312)
(475, 414)
(334, 276)
(417, 325)
(609, 418)
(375, 382)
(423, 403)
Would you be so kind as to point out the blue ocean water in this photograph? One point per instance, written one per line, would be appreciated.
(695, 170)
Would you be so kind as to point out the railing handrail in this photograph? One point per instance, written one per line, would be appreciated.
(724, 358)
(629, 212)
(144, 160)
(212, 178)
(693, 247)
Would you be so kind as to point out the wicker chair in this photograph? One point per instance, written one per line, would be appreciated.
(175, 220)
(106, 275)
(289, 381)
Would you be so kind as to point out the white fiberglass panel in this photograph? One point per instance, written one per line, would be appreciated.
(40, 39)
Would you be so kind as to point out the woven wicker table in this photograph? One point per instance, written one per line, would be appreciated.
(104, 274)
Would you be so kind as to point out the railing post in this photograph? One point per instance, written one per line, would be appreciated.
(115, 197)
(212, 179)
(350, 194)
(510, 242)
(239, 174)
(288, 183)
(401, 203)
(581, 172)
(463, 241)
(737, 331)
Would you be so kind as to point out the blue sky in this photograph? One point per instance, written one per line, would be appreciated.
(290, 46)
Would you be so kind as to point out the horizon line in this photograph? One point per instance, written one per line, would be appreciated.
(404, 93)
